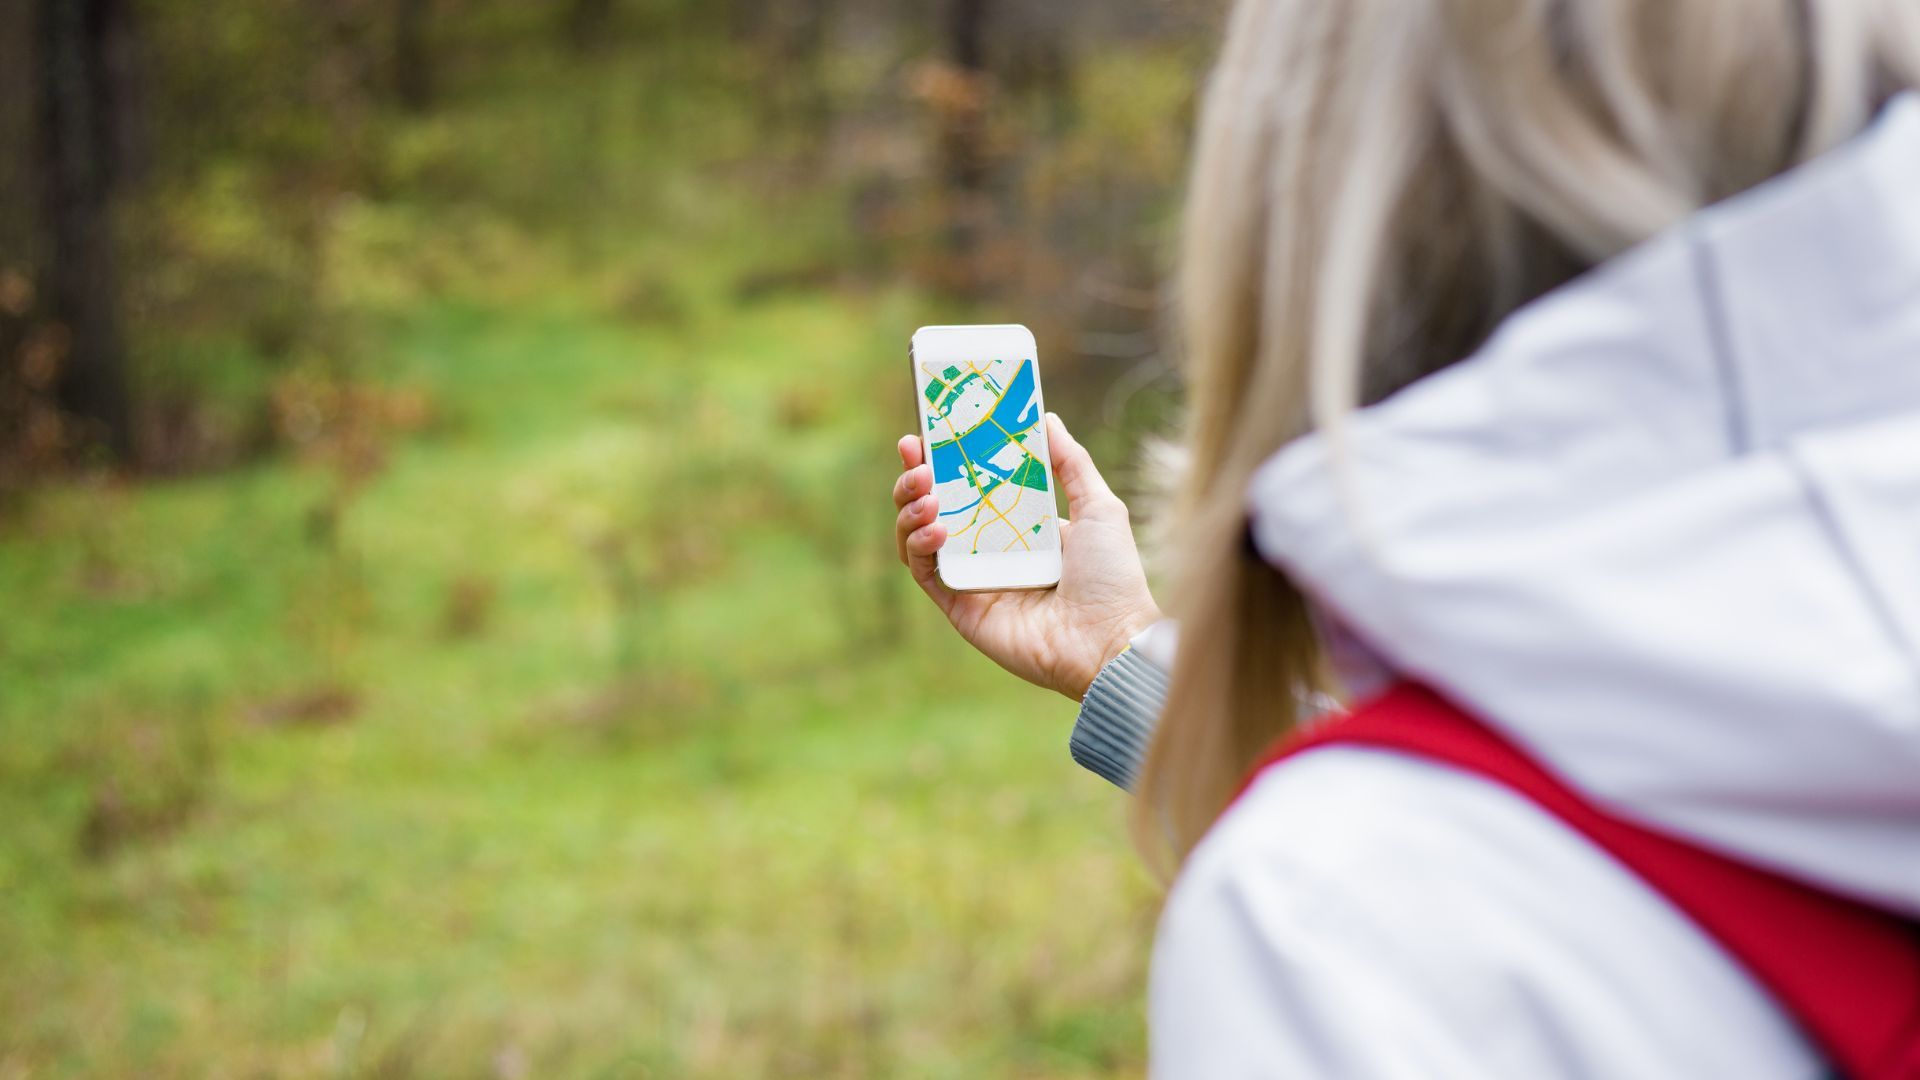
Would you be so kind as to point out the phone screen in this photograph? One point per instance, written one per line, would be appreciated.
(986, 436)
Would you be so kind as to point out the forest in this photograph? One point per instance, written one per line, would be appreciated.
(448, 617)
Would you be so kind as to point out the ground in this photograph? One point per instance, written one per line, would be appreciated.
(717, 828)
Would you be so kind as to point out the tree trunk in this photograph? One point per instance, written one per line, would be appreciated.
(586, 24)
(967, 33)
(963, 143)
(83, 46)
(412, 55)
(967, 41)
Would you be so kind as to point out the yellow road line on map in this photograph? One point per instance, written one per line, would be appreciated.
(935, 376)
(1001, 515)
(1043, 520)
(996, 423)
(973, 473)
(986, 499)
(998, 516)
(962, 531)
(1019, 492)
(1012, 440)
(947, 419)
(1017, 533)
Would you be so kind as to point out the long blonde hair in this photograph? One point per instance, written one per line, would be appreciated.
(1377, 183)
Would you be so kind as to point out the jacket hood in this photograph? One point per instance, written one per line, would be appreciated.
(1663, 529)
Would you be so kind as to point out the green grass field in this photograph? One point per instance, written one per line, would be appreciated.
(557, 708)
(603, 739)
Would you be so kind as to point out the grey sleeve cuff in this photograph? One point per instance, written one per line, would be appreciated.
(1117, 717)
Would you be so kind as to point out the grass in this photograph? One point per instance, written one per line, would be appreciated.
(760, 814)
(580, 725)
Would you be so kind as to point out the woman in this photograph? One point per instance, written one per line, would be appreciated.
(1555, 368)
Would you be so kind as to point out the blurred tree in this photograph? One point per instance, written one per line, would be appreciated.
(18, 217)
(586, 23)
(967, 33)
(1038, 64)
(789, 41)
(17, 234)
(802, 50)
(88, 137)
(963, 138)
(412, 53)
(744, 18)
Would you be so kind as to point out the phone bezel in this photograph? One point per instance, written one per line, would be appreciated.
(994, 571)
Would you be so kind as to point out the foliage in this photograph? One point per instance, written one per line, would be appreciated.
(512, 676)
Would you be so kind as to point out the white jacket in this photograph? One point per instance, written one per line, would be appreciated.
(1663, 530)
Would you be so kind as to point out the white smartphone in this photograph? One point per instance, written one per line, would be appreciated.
(983, 426)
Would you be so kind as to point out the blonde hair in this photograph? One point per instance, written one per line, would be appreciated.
(1377, 183)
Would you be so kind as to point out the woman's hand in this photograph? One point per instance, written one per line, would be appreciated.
(1057, 638)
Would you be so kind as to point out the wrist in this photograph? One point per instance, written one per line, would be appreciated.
(1120, 635)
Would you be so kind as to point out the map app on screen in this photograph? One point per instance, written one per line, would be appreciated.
(987, 439)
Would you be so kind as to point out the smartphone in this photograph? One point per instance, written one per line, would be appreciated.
(983, 426)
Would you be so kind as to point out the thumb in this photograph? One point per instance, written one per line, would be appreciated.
(1088, 495)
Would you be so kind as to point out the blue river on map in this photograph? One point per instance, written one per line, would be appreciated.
(1017, 410)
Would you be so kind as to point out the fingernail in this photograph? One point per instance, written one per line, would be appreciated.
(920, 505)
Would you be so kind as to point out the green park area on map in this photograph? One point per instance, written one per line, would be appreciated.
(988, 453)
